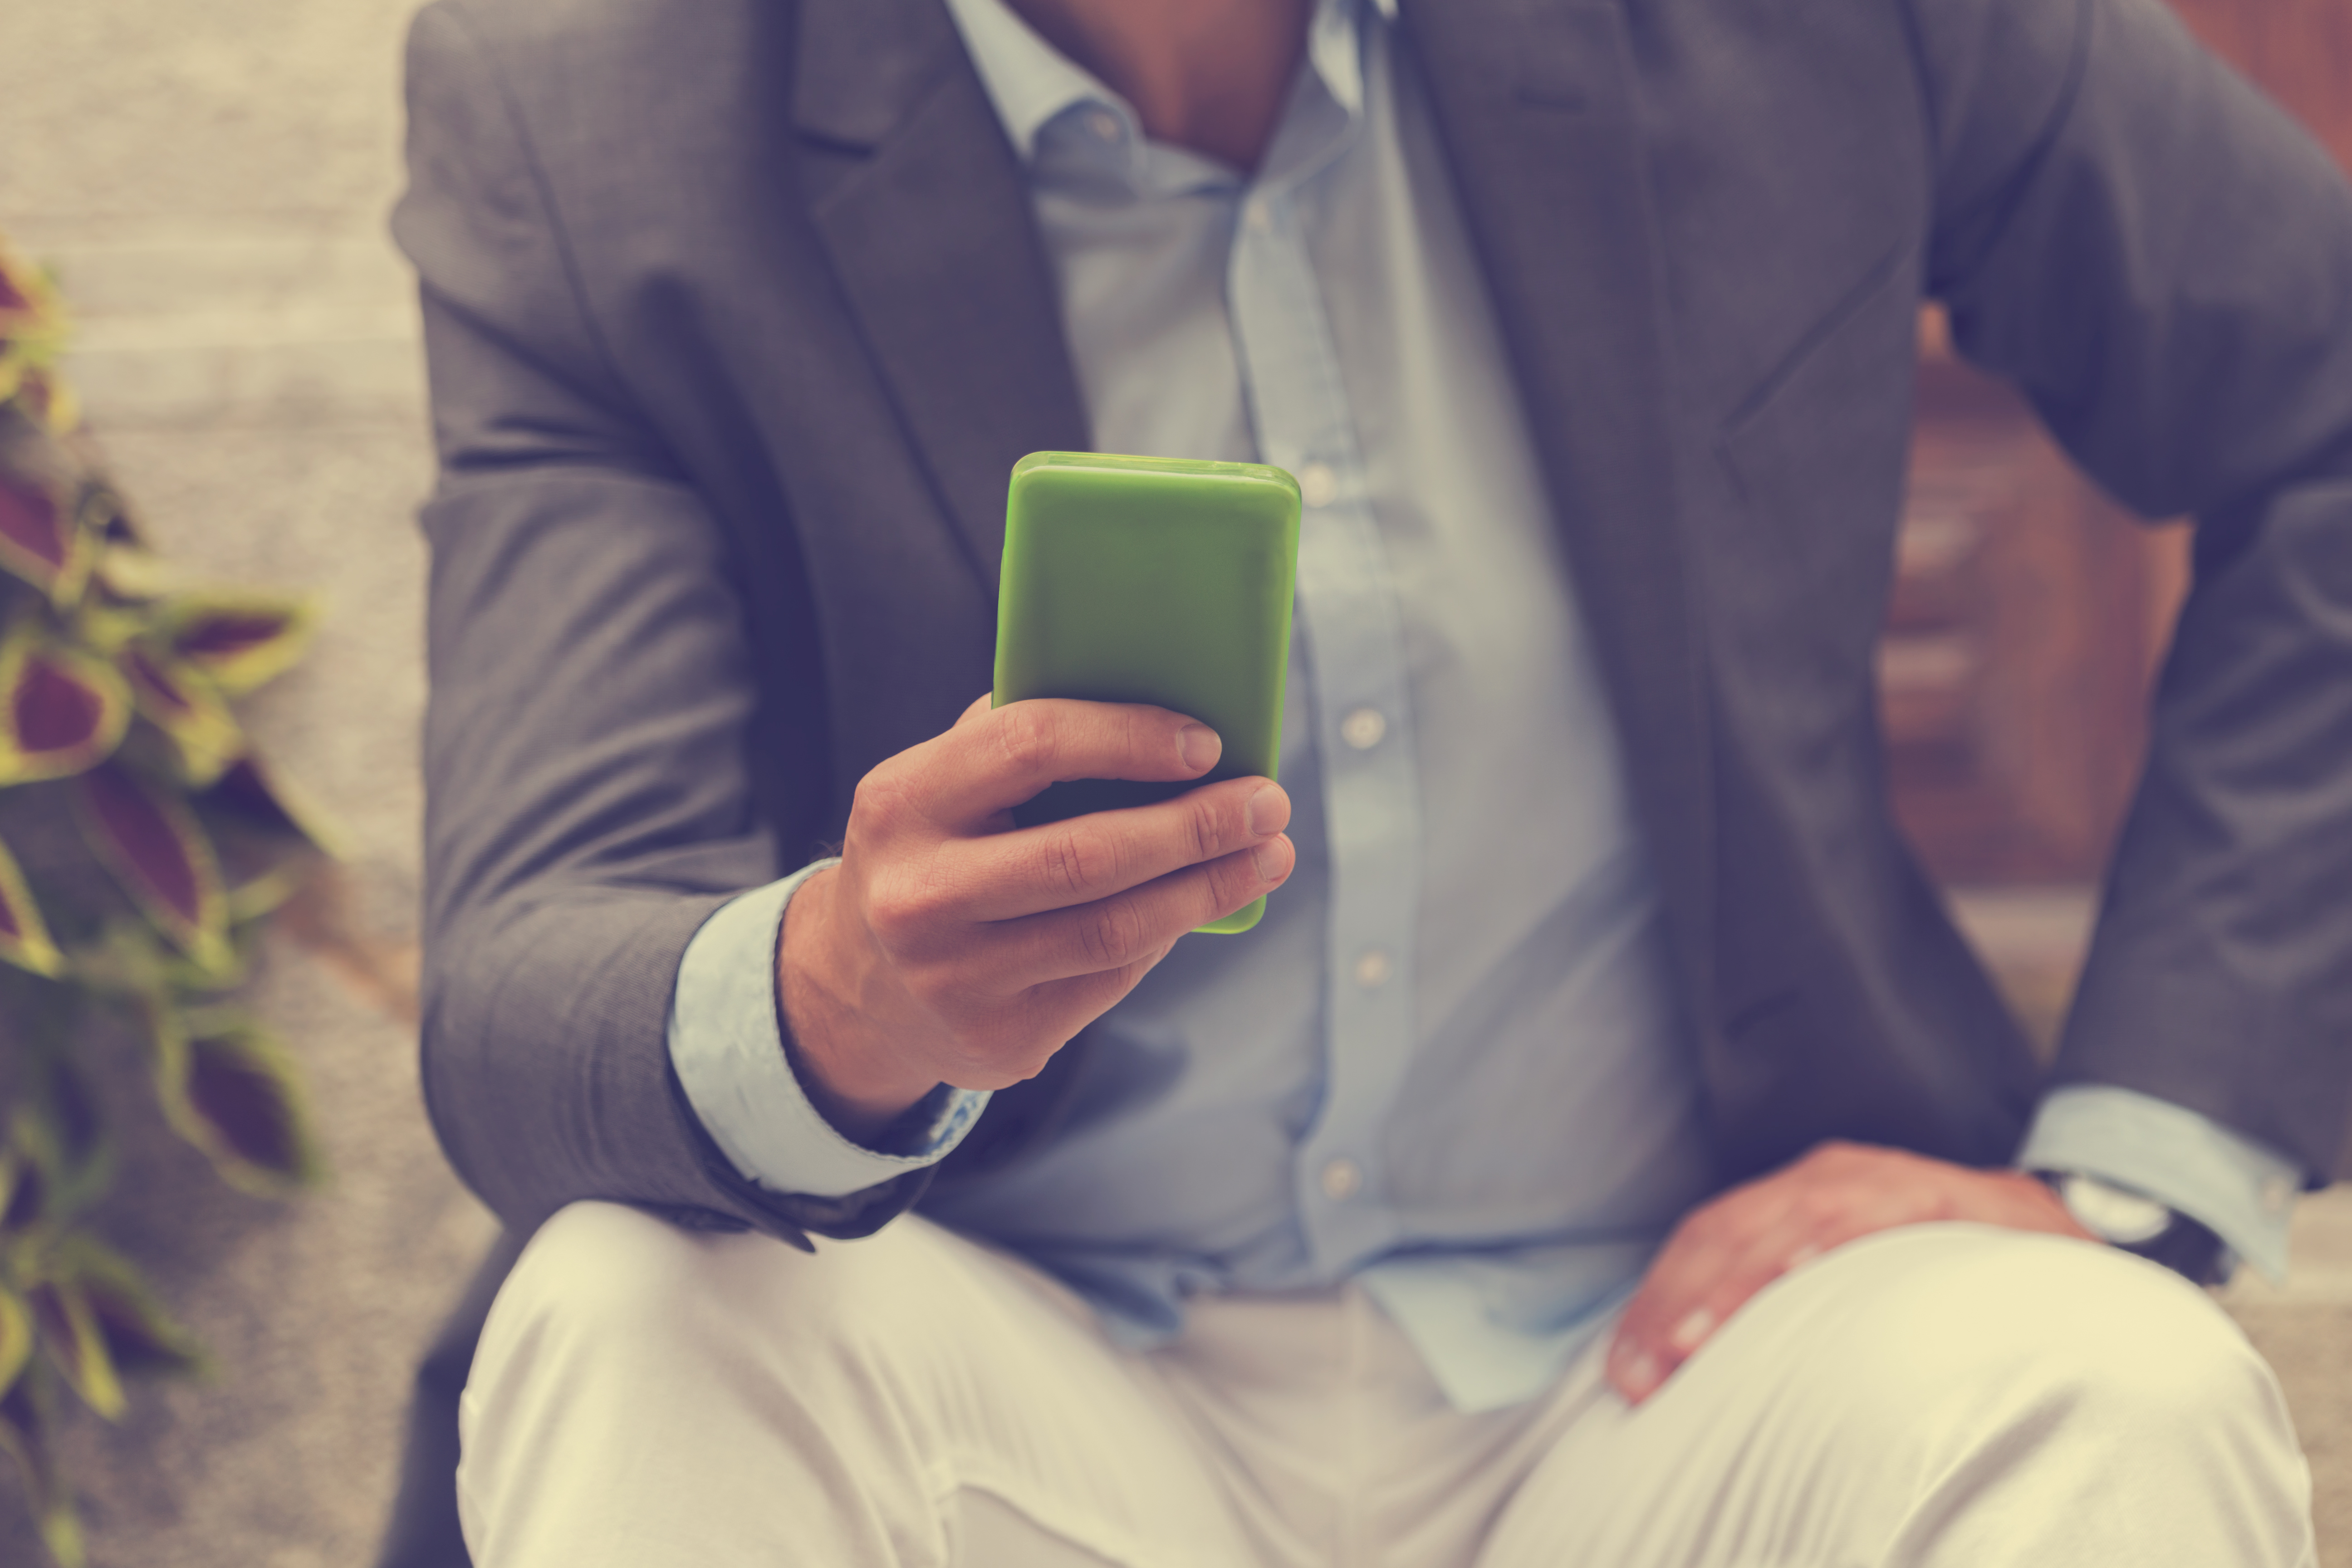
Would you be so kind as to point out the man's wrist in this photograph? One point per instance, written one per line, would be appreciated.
(726, 1049)
(845, 1075)
(2142, 1226)
(2236, 1186)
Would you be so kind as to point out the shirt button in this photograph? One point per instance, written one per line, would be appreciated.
(1318, 484)
(1372, 969)
(1342, 1180)
(1363, 729)
(1104, 124)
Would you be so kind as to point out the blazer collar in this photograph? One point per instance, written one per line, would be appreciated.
(922, 207)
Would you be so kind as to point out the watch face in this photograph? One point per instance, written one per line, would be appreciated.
(2112, 1214)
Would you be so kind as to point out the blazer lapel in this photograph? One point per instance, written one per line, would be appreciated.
(1536, 101)
(924, 210)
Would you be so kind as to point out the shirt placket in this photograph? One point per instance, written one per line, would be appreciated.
(1348, 610)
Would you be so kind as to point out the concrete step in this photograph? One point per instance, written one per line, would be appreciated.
(283, 322)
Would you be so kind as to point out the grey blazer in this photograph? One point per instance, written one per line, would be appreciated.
(736, 318)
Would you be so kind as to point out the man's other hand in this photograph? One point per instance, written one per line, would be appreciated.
(950, 946)
(1727, 1249)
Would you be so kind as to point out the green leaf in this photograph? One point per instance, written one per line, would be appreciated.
(158, 852)
(239, 639)
(61, 710)
(47, 399)
(33, 329)
(227, 1085)
(141, 1339)
(59, 1134)
(39, 541)
(172, 695)
(16, 1338)
(27, 298)
(255, 793)
(135, 573)
(28, 1435)
(20, 286)
(45, 539)
(24, 939)
(23, 1191)
(103, 627)
(268, 890)
(69, 1332)
(128, 962)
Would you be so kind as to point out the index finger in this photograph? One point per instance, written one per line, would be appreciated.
(996, 758)
(1679, 1301)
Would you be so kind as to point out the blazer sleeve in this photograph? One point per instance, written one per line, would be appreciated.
(2162, 261)
(589, 795)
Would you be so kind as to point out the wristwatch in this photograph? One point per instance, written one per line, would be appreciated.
(2138, 1224)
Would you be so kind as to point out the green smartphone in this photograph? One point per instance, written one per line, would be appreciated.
(1150, 579)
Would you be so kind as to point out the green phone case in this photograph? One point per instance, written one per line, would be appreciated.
(1150, 579)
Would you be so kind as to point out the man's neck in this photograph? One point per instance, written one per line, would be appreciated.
(1210, 75)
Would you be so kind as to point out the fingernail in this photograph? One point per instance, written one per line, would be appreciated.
(1640, 1377)
(1263, 815)
(1199, 746)
(1692, 1331)
(1267, 861)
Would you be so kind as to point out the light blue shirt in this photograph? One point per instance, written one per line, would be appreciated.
(1449, 1064)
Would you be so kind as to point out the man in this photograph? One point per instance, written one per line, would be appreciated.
(1566, 1169)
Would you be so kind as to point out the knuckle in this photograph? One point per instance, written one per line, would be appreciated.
(1822, 1209)
(1940, 1203)
(902, 908)
(876, 802)
(1079, 863)
(1204, 827)
(892, 917)
(1113, 935)
(1027, 736)
(1227, 883)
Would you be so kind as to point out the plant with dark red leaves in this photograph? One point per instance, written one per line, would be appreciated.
(141, 841)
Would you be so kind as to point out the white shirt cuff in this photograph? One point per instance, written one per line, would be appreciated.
(727, 1044)
(2243, 1191)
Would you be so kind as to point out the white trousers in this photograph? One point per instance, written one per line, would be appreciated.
(1948, 1396)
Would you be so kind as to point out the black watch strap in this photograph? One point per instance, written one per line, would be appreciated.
(2188, 1247)
(2191, 1251)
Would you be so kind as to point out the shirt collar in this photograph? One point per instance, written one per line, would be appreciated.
(1030, 81)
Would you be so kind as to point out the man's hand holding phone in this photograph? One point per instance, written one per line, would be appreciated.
(950, 946)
